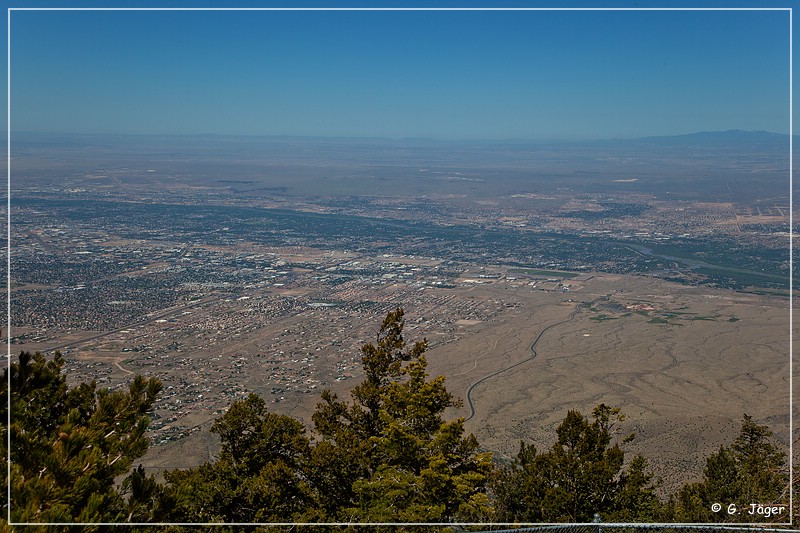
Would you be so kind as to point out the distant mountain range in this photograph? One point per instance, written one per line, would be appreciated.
(730, 138)
(711, 139)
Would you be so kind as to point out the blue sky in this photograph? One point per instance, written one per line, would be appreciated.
(440, 74)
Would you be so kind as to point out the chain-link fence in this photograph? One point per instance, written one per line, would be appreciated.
(600, 527)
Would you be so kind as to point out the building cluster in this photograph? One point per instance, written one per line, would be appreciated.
(220, 301)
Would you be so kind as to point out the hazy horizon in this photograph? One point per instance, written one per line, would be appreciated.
(460, 75)
(729, 132)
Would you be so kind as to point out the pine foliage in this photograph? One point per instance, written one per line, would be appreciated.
(581, 475)
(259, 476)
(69, 445)
(386, 455)
(751, 470)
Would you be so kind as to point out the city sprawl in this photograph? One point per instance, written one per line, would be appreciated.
(665, 280)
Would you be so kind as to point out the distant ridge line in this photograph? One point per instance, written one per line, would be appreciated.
(741, 135)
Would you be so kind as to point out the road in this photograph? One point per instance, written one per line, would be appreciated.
(533, 355)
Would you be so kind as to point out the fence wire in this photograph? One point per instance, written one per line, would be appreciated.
(641, 528)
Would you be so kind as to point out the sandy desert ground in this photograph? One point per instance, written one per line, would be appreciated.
(684, 364)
